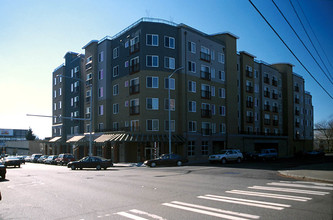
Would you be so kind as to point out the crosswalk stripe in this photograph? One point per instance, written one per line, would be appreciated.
(147, 214)
(131, 216)
(203, 212)
(300, 186)
(308, 183)
(270, 195)
(255, 203)
(289, 190)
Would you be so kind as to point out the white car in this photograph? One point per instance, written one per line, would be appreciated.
(226, 155)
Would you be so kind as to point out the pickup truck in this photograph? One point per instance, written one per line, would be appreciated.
(267, 154)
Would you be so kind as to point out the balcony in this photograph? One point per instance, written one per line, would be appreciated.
(266, 80)
(88, 65)
(205, 75)
(249, 119)
(205, 57)
(206, 113)
(88, 99)
(249, 74)
(267, 121)
(275, 122)
(134, 89)
(134, 110)
(249, 89)
(88, 82)
(205, 94)
(267, 108)
(135, 48)
(134, 68)
(275, 109)
(296, 88)
(275, 95)
(267, 94)
(297, 112)
(274, 82)
(297, 124)
(206, 131)
(249, 104)
(297, 100)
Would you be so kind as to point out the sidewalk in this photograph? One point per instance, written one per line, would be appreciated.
(318, 172)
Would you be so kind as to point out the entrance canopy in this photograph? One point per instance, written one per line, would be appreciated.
(79, 138)
(55, 139)
(125, 137)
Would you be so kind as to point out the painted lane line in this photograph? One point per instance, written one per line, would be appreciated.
(242, 203)
(131, 216)
(290, 190)
(270, 195)
(248, 200)
(139, 212)
(312, 183)
(203, 212)
(300, 186)
(217, 210)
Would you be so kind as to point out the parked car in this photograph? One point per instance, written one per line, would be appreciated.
(51, 159)
(3, 171)
(225, 156)
(27, 159)
(90, 162)
(314, 154)
(22, 159)
(64, 159)
(11, 161)
(35, 157)
(267, 154)
(42, 159)
(166, 159)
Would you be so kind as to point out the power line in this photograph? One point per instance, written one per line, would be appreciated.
(315, 37)
(301, 41)
(290, 49)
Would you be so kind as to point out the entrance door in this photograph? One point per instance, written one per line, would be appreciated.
(152, 152)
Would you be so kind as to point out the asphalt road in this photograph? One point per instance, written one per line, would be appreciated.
(38, 191)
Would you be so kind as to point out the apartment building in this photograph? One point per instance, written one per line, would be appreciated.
(218, 98)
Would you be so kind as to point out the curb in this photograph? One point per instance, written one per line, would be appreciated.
(301, 177)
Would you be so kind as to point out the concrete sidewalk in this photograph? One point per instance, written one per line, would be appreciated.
(318, 172)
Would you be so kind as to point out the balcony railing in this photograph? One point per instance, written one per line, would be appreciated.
(134, 89)
(267, 108)
(266, 80)
(249, 89)
(205, 75)
(206, 113)
(88, 65)
(267, 121)
(296, 112)
(249, 104)
(134, 110)
(267, 94)
(296, 88)
(135, 48)
(261, 133)
(249, 119)
(205, 57)
(206, 131)
(134, 68)
(297, 100)
(249, 74)
(88, 99)
(274, 82)
(205, 94)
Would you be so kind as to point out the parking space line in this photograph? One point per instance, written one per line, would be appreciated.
(320, 193)
(270, 195)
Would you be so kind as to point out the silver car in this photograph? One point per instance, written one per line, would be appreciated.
(225, 156)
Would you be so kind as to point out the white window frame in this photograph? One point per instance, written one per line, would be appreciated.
(115, 108)
(192, 47)
(154, 104)
(154, 63)
(152, 40)
(169, 39)
(169, 63)
(155, 127)
(192, 126)
(173, 125)
(153, 78)
(115, 71)
(193, 105)
(115, 90)
(193, 86)
(191, 66)
(115, 53)
(172, 82)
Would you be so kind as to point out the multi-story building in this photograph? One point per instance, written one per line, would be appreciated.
(218, 98)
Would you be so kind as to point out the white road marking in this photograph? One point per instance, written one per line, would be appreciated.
(300, 186)
(203, 211)
(217, 210)
(131, 216)
(270, 195)
(305, 182)
(147, 214)
(255, 203)
(289, 190)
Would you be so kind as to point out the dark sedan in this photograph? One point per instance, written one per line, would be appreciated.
(11, 161)
(2, 171)
(90, 162)
(166, 160)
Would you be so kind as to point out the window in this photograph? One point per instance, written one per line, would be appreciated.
(60, 91)
(169, 63)
(190, 148)
(204, 147)
(100, 74)
(152, 40)
(172, 83)
(213, 90)
(222, 93)
(192, 106)
(115, 52)
(169, 42)
(191, 47)
(100, 92)
(115, 108)
(220, 57)
(72, 101)
(192, 126)
(213, 109)
(172, 104)
(55, 106)
(172, 125)
(60, 104)
(126, 63)
(212, 54)
(213, 128)
(191, 66)
(126, 44)
(192, 86)
(55, 93)
(101, 57)
(89, 59)
(135, 125)
(55, 80)
(152, 61)
(115, 126)
(152, 125)
(256, 88)
(115, 89)
(222, 110)
(152, 82)
(115, 71)
(222, 75)
(223, 128)
(152, 103)
(100, 110)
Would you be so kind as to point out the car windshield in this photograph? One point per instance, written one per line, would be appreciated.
(223, 151)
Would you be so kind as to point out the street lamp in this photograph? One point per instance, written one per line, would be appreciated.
(90, 119)
(169, 105)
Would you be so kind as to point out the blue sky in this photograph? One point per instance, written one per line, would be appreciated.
(36, 34)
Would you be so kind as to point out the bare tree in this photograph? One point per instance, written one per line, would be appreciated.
(325, 133)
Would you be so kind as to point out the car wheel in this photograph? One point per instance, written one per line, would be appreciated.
(105, 168)
(239, 160)
(223, 161)
(3, 176)
(98, 167)
(73, 167)
(179, 163)
(153, 164)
